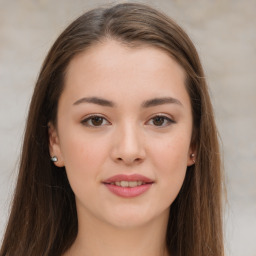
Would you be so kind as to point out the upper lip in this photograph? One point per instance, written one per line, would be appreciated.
(132, 177)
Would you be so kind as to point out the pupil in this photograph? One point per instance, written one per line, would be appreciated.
(158, 120)
(97, 120)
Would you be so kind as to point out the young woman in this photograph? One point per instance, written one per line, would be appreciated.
(120, 154)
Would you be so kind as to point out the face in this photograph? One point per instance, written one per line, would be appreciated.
(123, 133)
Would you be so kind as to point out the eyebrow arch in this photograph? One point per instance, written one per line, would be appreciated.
(160, 101)
(145, 104)
(95, 100)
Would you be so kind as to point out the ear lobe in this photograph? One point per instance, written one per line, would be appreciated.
(191, 159)
(54, 145)
(191, 156)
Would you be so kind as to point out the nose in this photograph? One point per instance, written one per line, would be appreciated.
(128, 145)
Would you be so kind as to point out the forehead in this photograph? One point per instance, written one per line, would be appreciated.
(114, 69)
(110, 52)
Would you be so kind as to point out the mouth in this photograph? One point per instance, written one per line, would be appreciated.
(128, 185)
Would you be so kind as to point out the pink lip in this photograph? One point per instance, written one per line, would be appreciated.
(128, 191)
(133, 177)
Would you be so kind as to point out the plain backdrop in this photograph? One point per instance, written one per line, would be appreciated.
(224, 32)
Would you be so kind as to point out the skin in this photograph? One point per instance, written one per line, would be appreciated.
(129, 139)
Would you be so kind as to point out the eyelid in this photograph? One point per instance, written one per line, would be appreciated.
(169, 119)
(89, 117)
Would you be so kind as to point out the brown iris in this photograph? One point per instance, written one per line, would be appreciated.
(97, 120)
(158, 121)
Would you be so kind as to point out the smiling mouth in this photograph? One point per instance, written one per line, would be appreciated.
(128, 184)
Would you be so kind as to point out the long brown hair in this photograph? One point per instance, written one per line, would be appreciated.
(43, 219)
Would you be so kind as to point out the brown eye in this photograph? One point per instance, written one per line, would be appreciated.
(95, 121)
(158, 120)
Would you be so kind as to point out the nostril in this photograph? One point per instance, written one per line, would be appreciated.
(129, 160)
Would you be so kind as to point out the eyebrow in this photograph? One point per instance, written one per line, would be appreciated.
(160, 101)
(95, 100)
(146, 104)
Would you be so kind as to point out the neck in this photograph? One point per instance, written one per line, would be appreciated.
(100, 238)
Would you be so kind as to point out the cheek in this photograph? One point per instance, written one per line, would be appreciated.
(170, 161)
(171, 152)
(83, 156)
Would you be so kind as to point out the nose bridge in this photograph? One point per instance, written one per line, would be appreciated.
(129, 146)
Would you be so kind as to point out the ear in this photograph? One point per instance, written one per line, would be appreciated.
(54, 145)
(191, 158)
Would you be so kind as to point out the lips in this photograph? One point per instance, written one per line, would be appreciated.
(128, 185)
(133, 177)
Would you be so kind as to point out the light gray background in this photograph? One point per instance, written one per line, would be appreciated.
(224, 33)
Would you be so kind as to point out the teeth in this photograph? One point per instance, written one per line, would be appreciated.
(124, 183)
(130, 184)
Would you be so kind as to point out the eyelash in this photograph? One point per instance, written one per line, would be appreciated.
(90, 118)
(168, 121)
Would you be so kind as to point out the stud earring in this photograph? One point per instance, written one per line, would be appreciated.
(192, 156)
(54, 159)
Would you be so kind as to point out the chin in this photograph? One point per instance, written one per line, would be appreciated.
(134, 218)
(129, 223)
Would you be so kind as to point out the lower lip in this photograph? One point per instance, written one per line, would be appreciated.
(127, 191)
